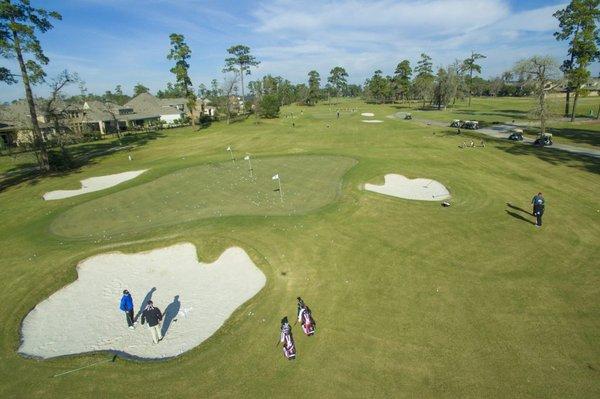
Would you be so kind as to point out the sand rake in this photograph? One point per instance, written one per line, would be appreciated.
(111, 360)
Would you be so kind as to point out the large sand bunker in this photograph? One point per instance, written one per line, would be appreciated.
(195, 298)
(94, 184)
(413, 189)
(371, 121)
(367, 114)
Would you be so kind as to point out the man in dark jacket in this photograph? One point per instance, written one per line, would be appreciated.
(153, 316)
(127, 307)
(539, 205)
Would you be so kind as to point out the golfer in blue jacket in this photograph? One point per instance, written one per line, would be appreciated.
(127, 307)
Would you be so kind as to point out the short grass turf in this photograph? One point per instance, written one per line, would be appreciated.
(411, 299)
(214, 190)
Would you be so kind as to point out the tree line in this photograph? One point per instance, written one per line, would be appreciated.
(21, 23)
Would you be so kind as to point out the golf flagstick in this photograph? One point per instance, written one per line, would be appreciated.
(247, 158)
(231, 153)
(276, 177)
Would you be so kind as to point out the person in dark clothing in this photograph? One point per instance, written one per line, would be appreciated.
(539, 205)
(127, 307)
(153, 316)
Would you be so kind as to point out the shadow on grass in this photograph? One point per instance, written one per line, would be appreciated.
(518, 216)
(83, 154)
(554, 157)
(518, 209)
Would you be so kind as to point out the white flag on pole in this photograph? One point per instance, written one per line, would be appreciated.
(247, 158)
(276, 177)
(229, 148)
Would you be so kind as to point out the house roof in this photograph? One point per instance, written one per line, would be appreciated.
(146, 103)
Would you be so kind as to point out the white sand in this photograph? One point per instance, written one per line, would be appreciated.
(372, 121)
(94, 184)
(367, 114)
(85, 317)
(413, 189)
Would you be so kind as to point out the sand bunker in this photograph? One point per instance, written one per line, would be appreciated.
(195, 298)
(372, 121)
(413, 189)
(94, 184)
(367, 114)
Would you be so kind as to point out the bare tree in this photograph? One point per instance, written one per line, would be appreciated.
(113, 111)
(541, 74)
(54, 108)
(229, 88)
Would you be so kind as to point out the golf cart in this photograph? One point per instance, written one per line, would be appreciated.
(545, 139)
(471, 125)
(408, 116)
(516, 135)
(456, 123)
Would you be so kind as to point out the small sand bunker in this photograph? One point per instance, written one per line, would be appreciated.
(413, 189)
(94, 184)
(195, 299)
(367, 114)
(372, 121)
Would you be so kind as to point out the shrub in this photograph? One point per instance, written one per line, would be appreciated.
(60, 160)
(268, 106)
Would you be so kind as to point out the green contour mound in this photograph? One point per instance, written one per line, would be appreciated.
(211, 190)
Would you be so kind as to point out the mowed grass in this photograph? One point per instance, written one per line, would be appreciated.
(411, 299)
(213, 190)
(584, 131)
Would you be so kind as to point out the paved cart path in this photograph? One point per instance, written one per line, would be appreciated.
(503, 131)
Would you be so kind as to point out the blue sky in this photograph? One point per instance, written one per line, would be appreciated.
(110, 42)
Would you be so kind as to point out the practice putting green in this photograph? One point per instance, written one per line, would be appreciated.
(211, 190)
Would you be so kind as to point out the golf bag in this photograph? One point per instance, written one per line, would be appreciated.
(289, 347)
(307, 322)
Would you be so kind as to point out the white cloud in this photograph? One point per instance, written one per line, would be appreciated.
(367, 35)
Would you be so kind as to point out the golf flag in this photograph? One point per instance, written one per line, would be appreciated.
(247, 158)
(276, 177)
(229, 148)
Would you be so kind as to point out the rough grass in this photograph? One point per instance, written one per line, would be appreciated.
(412, 299)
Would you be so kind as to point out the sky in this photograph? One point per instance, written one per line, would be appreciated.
(112, 42)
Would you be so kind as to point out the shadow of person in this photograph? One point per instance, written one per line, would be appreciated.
(518, 209)
(170, 313)
(518, 216)
(144, 302)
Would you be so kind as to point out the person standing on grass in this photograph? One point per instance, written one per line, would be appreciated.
(127, 307)
(153, 316)
(539, 205)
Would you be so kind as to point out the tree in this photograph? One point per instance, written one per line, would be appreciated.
(139, 89)
(118, 97)
(314, 86)
(470, 65)
(446, 85)
(402, 76)
(268, 106)
(54, 110)
(540, 73)
(337, 79)
(228, 89)
(171, 91)
(240, 62)
(19, 22)
(378, 87)
(423, 83)
(577, 24)
(181, 53)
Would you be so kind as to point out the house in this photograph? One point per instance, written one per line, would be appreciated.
(149, 107)
(94, 116)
